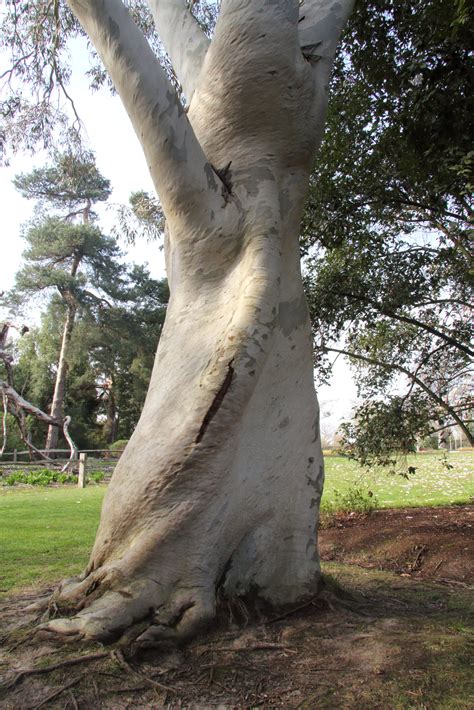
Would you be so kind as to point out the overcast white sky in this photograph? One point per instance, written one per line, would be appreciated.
(119, 158)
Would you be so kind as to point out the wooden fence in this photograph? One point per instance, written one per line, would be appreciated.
(14, 456)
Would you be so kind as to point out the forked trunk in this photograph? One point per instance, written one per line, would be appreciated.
(219, 487)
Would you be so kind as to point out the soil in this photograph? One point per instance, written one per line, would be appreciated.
(433, 543)
(391, 629)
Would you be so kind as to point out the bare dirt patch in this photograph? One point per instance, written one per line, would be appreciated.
(434, 543)
(373, 639)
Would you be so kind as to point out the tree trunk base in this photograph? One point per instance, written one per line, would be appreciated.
(234, 519)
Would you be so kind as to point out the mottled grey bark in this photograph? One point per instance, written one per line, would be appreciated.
(220, 484)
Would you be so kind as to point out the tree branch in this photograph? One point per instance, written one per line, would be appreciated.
(444, 301)
(72, 446)
(420, 365)
(26, 406)
(4, 422)
(448, 425)
(393, 366)
(184, 40)
(177, 164)
(407, 319)
(320, 26)
(19, 404)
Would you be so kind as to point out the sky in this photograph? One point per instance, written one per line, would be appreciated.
(119, 158)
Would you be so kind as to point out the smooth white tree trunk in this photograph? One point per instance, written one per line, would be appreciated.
(217, 493)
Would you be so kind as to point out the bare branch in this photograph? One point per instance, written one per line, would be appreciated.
(18, 406)
(72, 446)
(176, 161)
(4, 422)
(26, 406)
(184, 40)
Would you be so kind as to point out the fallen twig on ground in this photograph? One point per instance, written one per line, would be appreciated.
(264, 646)
(416, 561)
(73, 700)
(454, 582)
(58, 691)
(312, 602)
(47, 669)
(123, 663)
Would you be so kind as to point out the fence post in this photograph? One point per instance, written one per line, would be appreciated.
(15, 455)
(81, 481)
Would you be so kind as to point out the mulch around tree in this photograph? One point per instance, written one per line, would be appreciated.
(432, 543)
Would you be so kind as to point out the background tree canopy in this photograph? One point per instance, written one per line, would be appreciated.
(93, 353)
(109, 362)
(387, 233)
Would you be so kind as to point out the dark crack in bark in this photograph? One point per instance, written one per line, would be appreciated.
(217, 401)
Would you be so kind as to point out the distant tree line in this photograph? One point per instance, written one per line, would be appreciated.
(92, 354)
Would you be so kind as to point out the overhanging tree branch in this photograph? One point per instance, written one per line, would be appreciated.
(448, 425)
(393, 366)
(406, 319)
(26, 406)
(183, 39)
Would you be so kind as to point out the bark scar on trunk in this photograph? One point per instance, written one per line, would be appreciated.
(224, 175)
(216, 402)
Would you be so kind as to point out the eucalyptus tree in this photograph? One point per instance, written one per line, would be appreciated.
(217, 493)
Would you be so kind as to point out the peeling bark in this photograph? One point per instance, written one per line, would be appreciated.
(219, 486)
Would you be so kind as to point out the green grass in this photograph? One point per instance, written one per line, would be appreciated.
(431, 484)
(46, 534)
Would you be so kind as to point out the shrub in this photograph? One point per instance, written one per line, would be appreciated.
(356, 500)
(118, 445)
(96, 476)
(41, 477)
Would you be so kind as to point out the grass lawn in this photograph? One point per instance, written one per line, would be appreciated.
(46, 533)
(432, 484)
